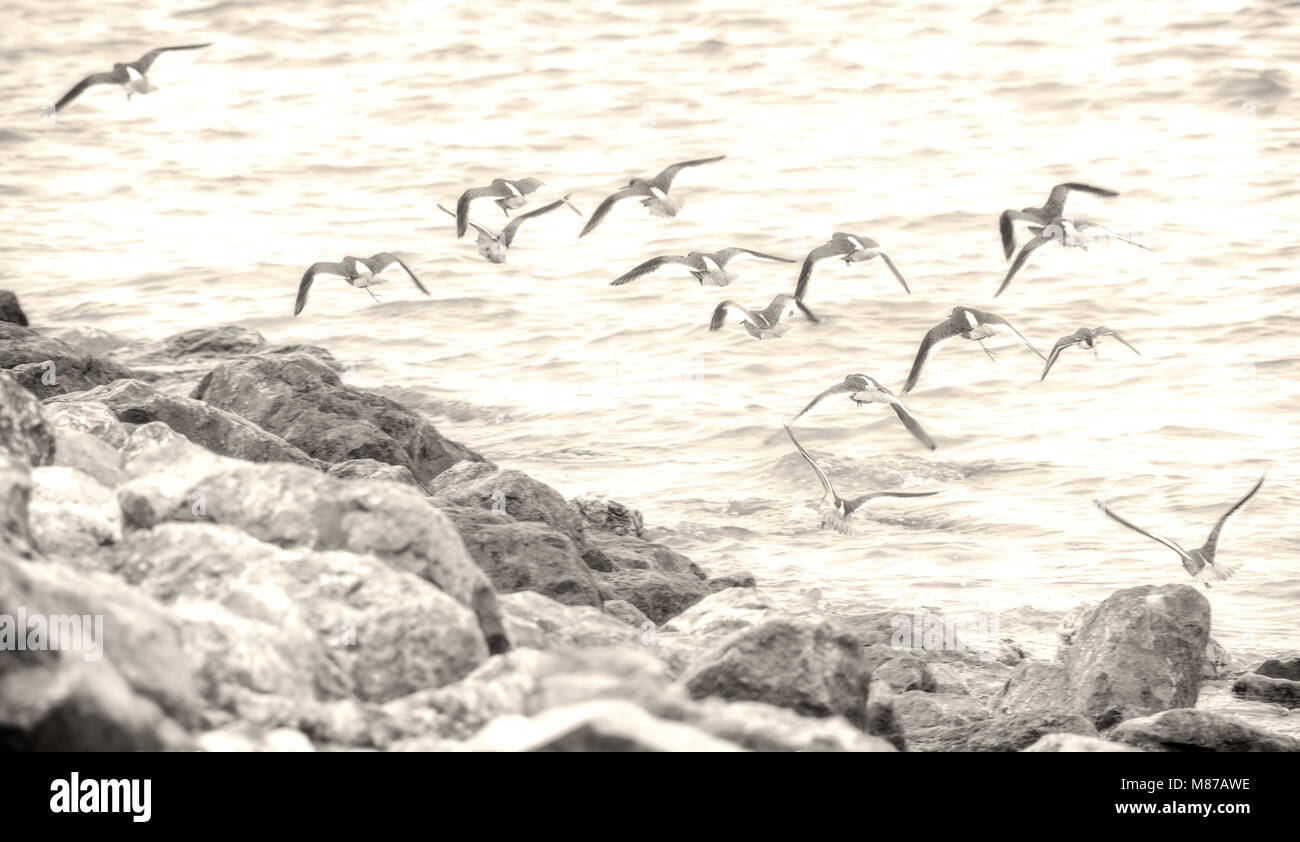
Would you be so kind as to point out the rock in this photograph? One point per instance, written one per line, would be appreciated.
(88, 455)
(47, 367)
(724, 576)
(542, 623)
(880, 718)
(605, 515)
(134, 402)
(1276, 668)
(708, 622)
(90, 417)
(222, 341)
(625, 612)
(1262, 688)
(509, 492)
(15, 501)
(904, 672)
(626, 552)
(92, 340)
(70, 513)
(1218, 661)
(289, 505)
(1033, 685)
(532, 557)
(25, 434)
(660, 596)
(9, 309)
(601, 725)
(1076, 742)
(762, 727)
(174, 365)
(301, 399)
(243, 739)
(1188, 729)
(371, 469)
(812, 668)
(162, 465)
(918, 709)
(1010, 732)
(388, 631)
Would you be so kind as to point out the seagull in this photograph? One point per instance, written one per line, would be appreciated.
(1054, 209)
(653, 194)
(1086, 339)
(1199, 563)
(509, 195)
(131, 76)
(494, 246)
(862, 390)
(1067, 232)
(707, 267)
(839, 515)
(766, 323)
(853, 249)
(360, 272)
(968, 323)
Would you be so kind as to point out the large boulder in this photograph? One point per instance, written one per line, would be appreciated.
(660, 596)
(605, 515)
(289, 505)
(72, 513)
(15, 502)
(300, 398)
(1010, 732)
(1288, 668)
(509, 492)
(10, 311)
(46, 367)
(134, 402)
(25, 434)
(89, 417)
(1263, 688)
(542, 623)
(1188, 729)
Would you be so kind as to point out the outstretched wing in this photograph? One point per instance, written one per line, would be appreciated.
(508, 234)
(1030, 248)
(146, 61)
(838, 389)
(665, 179)
(475, 225)
(1006, 225)
(1105, 331)
(729, 254)
(934, 337)
(1212, 544)
(1082, 226)
(496, 189)
(1101, 504)
(729, 310)
(913, 426)
(831, 249)
(821, 475)
(1061, 344)
(995, 319)
(603, 209)
(309, 277)
(1056, 200)
(856, 503)
(897, 274)
(112, 78)
(656, 263)
(383, 260)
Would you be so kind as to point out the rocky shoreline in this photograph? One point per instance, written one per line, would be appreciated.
(282, 561)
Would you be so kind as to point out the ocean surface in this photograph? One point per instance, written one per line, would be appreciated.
(309, 131)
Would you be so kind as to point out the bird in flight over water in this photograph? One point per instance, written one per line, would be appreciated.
(768, 323)
(1086, 338)
(131, 76)
(853, 249)
(652, 193)
(862, 390)
(968, 323)
(508, 195)
(360, 272)
(709, 268)
(493, 245)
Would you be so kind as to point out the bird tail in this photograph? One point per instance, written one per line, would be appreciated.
(1215, 571)
(669, 205)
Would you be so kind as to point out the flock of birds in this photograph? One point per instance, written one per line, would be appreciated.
(1048, 224)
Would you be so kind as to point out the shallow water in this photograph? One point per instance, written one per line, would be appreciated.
(306, 133)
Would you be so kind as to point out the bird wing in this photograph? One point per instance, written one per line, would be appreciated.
(146, 61)
(736, 252)
(890, 263)
(1212, 543)
(1082, 226)
(1061, 344)
(1101, 504)
(603, 209)
(913, 426)
(838, 388)
(821, 475)
(720, 314)
(822, 252)
(856, 503)
(935, 336)
(315, 270)
(665, 179)
(995, 319)
(1029, 249)
(656, 263)
(1105, 331)
(496, 189)
(508, 234)
(383, 260)
(471, 222)
(109, 78)
(1006, 225)
(1056, 200)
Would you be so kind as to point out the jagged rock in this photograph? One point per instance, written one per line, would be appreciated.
(92, 340)
(25, 434)
(15, 500)
(1218, 662)
(1010, 732)
(222, 341)
(1263, 688)
(10, 311)
(903, 672)
(601, 725)
(1278, 668)
(90, 417)
(89, 455)
(529, 557)
(625, 612)
(47, 367)
(508, 492)
(726, 575)
(161, 465)
(372, 469)
(302, 399)
(605, 515)
(542, 623)
(71, 513)
(1188, 729)
(1076, 742)
(660, 596)
(134, 402)
(919, 709)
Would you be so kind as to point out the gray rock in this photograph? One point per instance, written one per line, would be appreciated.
(1188, 729)
(15, 500)
(1263, 688)
(372, 469)
(89, 455)
(600, 725)
(90, 417)
(542, 623)
(904, 672)
(605, 515)
(25, 434)
(71, 513)
(529, 557)
(92, 340)
(660, 596)
(919, 709)
(625, 612)
(1076, 742)
(1279, 668)
(509, 492)
(1010, 732)
(10, 311)
(47, 367)
(301, 399)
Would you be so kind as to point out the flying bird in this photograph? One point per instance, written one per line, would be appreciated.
(862, 390)
(853, 249)
(1067, 232)
(709, 268)
(131, 76)
(360, 272)
(1201, 563)
(494, 246)
(762, 324)
(1054, 209)
(509, 195)
(653, 194)
(839, 514)
(968, 323)
(1085, 338)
